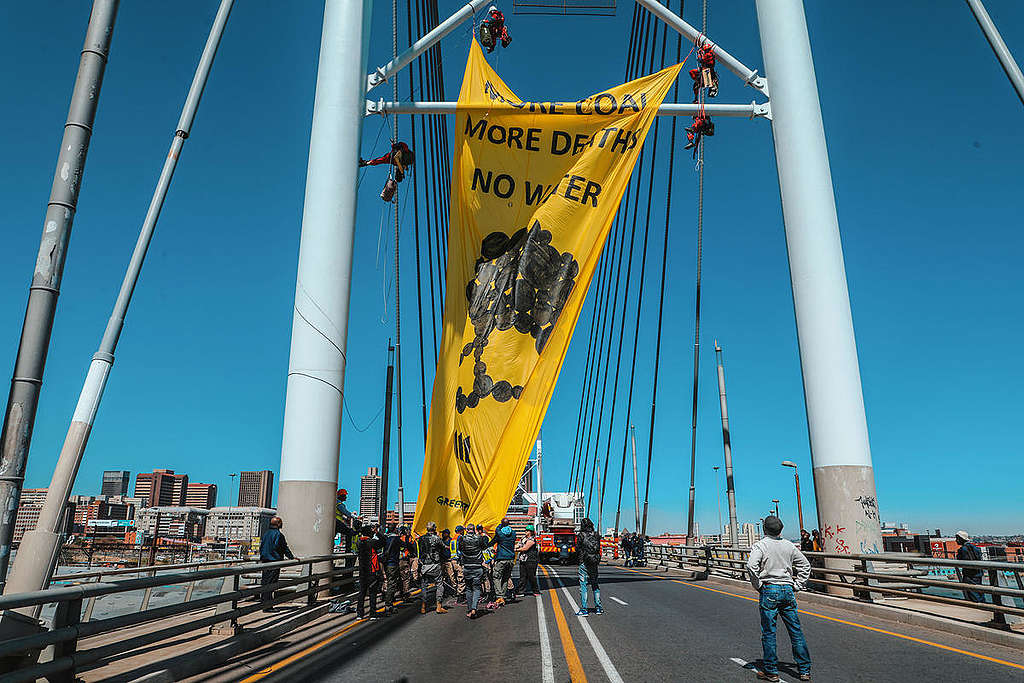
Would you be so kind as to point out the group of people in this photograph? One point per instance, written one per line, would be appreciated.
(632, 545)
(470, 567)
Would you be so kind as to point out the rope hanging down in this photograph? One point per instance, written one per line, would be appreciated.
(696, 326)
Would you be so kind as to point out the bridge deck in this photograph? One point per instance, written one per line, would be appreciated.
(656, 626)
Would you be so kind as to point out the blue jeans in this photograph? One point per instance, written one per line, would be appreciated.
(588, 576)
(473, 573)
(778, 600)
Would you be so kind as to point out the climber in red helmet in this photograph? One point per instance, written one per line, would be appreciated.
(493, 29)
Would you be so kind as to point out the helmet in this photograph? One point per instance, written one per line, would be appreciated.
(492, 8)
(342, 492)
(459, 528)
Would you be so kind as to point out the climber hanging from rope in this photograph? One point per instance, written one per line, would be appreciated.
(705, 76)
(493, 29)
(702, 125)
(400, 157)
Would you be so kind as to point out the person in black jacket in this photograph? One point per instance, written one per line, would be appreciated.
(368, 548)
(273, 548)
(431, 555)
(971, 553)
(471, 554)
(394, 546)
(589, 543)
(529, 554)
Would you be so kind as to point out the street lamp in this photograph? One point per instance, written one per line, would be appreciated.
(776, 501)
(718, 497)
(227, 532)
(799, 504)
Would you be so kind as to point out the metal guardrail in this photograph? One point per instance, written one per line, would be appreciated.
(894, 575)
(71, 622)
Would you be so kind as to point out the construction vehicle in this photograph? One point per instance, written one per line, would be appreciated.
(560, 516)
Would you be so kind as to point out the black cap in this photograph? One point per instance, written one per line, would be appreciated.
(772, 525)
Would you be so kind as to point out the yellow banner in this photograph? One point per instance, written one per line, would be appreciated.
(534, 191)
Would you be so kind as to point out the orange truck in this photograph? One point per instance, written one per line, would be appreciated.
(559, 522)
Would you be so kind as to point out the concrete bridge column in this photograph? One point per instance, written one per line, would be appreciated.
(844, 479)
(316, 366)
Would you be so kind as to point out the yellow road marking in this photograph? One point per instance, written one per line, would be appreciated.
(572, 658)
(312, 648)
(851, 623)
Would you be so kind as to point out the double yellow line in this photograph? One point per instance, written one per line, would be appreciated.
(572, 657)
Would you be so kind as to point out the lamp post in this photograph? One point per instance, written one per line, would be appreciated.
(776, 501)
(227, 531)
(799, 504)
(718, 497)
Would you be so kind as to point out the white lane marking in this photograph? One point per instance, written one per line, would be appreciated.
(621, 602)
(602, 656)
(546, 666)
(748, 665)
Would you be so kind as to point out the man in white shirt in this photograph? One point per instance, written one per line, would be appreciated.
(771, 570)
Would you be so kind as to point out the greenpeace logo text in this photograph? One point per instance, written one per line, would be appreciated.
(449, 502)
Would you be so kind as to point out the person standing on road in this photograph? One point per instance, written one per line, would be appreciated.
(589, 543)
(431, 552)
(471, 554)
(806, 543)
(529, 553)
(273, 548)
(394, 548)
(504, 557)
(448, 563)
(970, 553)
(777, 570)
(368, 549)
(460, 581)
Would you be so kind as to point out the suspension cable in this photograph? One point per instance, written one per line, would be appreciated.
(586, 409)
(661, 293)
(645, 65)
(640, 297)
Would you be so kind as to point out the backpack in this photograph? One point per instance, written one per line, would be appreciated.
(486, 36)
(591, 548)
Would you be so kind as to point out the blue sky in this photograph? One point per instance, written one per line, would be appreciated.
(924, 135)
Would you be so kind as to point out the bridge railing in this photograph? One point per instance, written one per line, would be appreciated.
(862, 576)
(305, 577)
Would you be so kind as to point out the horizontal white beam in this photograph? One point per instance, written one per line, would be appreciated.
(750, 111)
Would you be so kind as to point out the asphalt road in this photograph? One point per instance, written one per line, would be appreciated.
(655, 627)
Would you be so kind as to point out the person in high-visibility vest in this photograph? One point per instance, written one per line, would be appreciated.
(344, 521)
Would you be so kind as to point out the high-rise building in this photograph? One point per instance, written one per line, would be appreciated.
(369, 495)
(115, 483)
(201, 495)
(255, 489)
(161, 487)
(27, 517)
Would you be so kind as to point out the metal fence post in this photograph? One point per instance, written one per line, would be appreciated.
(864, 595)
(313, 583)
(67, 613)
(998, 618)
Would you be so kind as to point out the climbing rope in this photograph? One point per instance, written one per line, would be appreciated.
(696, 325)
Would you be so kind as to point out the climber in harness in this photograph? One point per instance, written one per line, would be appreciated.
(705, 76)
(493, 29)
(400, 157)
(702, 125)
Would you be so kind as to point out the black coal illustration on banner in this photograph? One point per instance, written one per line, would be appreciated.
(521, 282)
